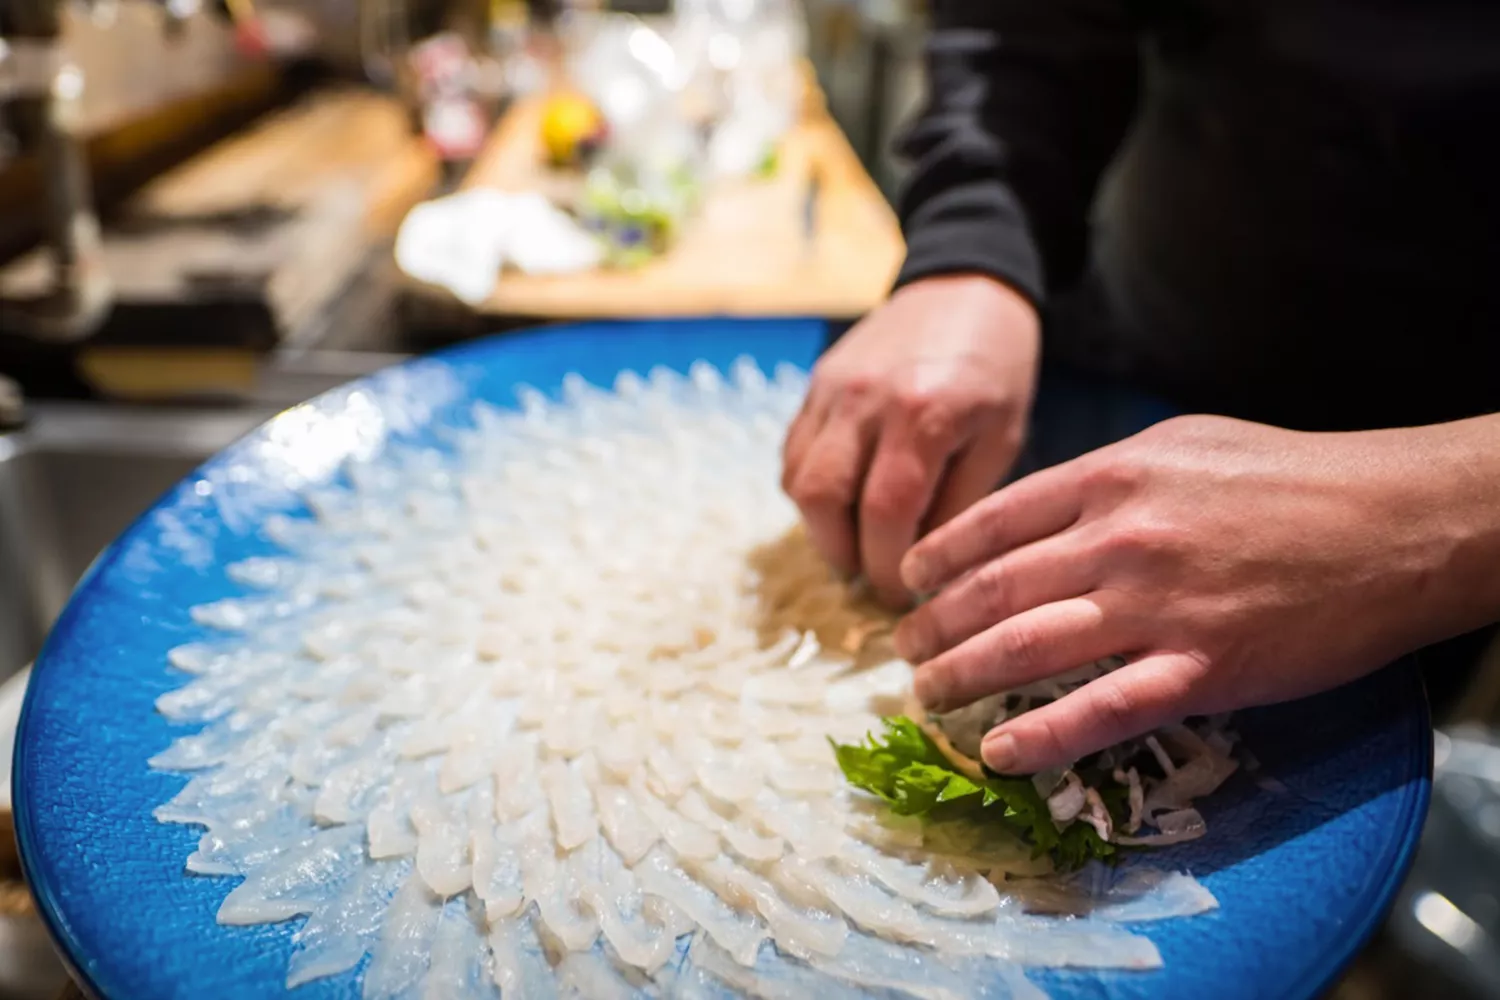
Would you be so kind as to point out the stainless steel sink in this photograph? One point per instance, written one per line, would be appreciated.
(78, 474)
(73, 479)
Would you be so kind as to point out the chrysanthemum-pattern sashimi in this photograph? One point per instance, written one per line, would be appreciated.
(534, 716)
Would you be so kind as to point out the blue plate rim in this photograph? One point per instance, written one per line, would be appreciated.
(1382, 894)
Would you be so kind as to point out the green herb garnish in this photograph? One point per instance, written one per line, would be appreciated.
(910, 773)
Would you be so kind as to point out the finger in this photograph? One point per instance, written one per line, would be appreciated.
(1042, 504)
(1126, 703)
(904, 473)
(1053, 569)
(800, 436)
(827, 484)
(1031, 646)
(974, 474)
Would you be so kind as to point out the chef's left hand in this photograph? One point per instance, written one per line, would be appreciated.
(1232, 564)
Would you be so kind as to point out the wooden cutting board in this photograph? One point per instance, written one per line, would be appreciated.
(746, 252)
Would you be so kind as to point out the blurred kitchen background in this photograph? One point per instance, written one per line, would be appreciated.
(213, 209)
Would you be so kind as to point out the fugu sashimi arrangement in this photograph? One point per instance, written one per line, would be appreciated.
(547, 712)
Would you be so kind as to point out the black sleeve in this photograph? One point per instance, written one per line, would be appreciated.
(1028, 100)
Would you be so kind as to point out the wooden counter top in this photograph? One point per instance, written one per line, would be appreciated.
(745, 252)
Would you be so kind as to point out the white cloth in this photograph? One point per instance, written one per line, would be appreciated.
(462, 241)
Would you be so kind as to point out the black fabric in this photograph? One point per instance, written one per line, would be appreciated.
(1302, 225)
(1449, 667)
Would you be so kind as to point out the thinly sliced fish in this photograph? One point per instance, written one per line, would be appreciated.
(528, 711)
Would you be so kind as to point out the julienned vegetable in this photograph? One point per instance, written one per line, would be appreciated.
(912, 775)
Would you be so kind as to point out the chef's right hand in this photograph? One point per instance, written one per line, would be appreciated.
(916, 413)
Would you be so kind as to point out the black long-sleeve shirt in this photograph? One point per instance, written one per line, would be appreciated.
(1302, 223)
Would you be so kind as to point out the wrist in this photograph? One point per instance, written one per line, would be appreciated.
(1008, 308)
(1457, 507)
(979, 282)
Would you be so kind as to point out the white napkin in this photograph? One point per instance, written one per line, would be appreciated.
(460, 242)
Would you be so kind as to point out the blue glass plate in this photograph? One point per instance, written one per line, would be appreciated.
(1303, 868)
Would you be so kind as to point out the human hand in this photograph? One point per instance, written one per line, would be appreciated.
(1232, 564)
(915, 414)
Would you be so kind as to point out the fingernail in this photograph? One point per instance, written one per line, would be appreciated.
(999, 752)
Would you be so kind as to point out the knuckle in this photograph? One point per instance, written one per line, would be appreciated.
(895, 499)
(921, 400)
(836, 380)
(1022, 647)
(966, 676)
(1125, 610)
(991, 516)
(1130, 538)
(914, 404)
(819, 488)
(1119, 473)
(934, 427)
(858, 386)
(970, 677)
(1144, 536)
(991, 588)
(1172, 687)
(1047, 738)
(1113, 707)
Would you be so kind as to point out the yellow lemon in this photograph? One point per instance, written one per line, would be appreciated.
(568, 121)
